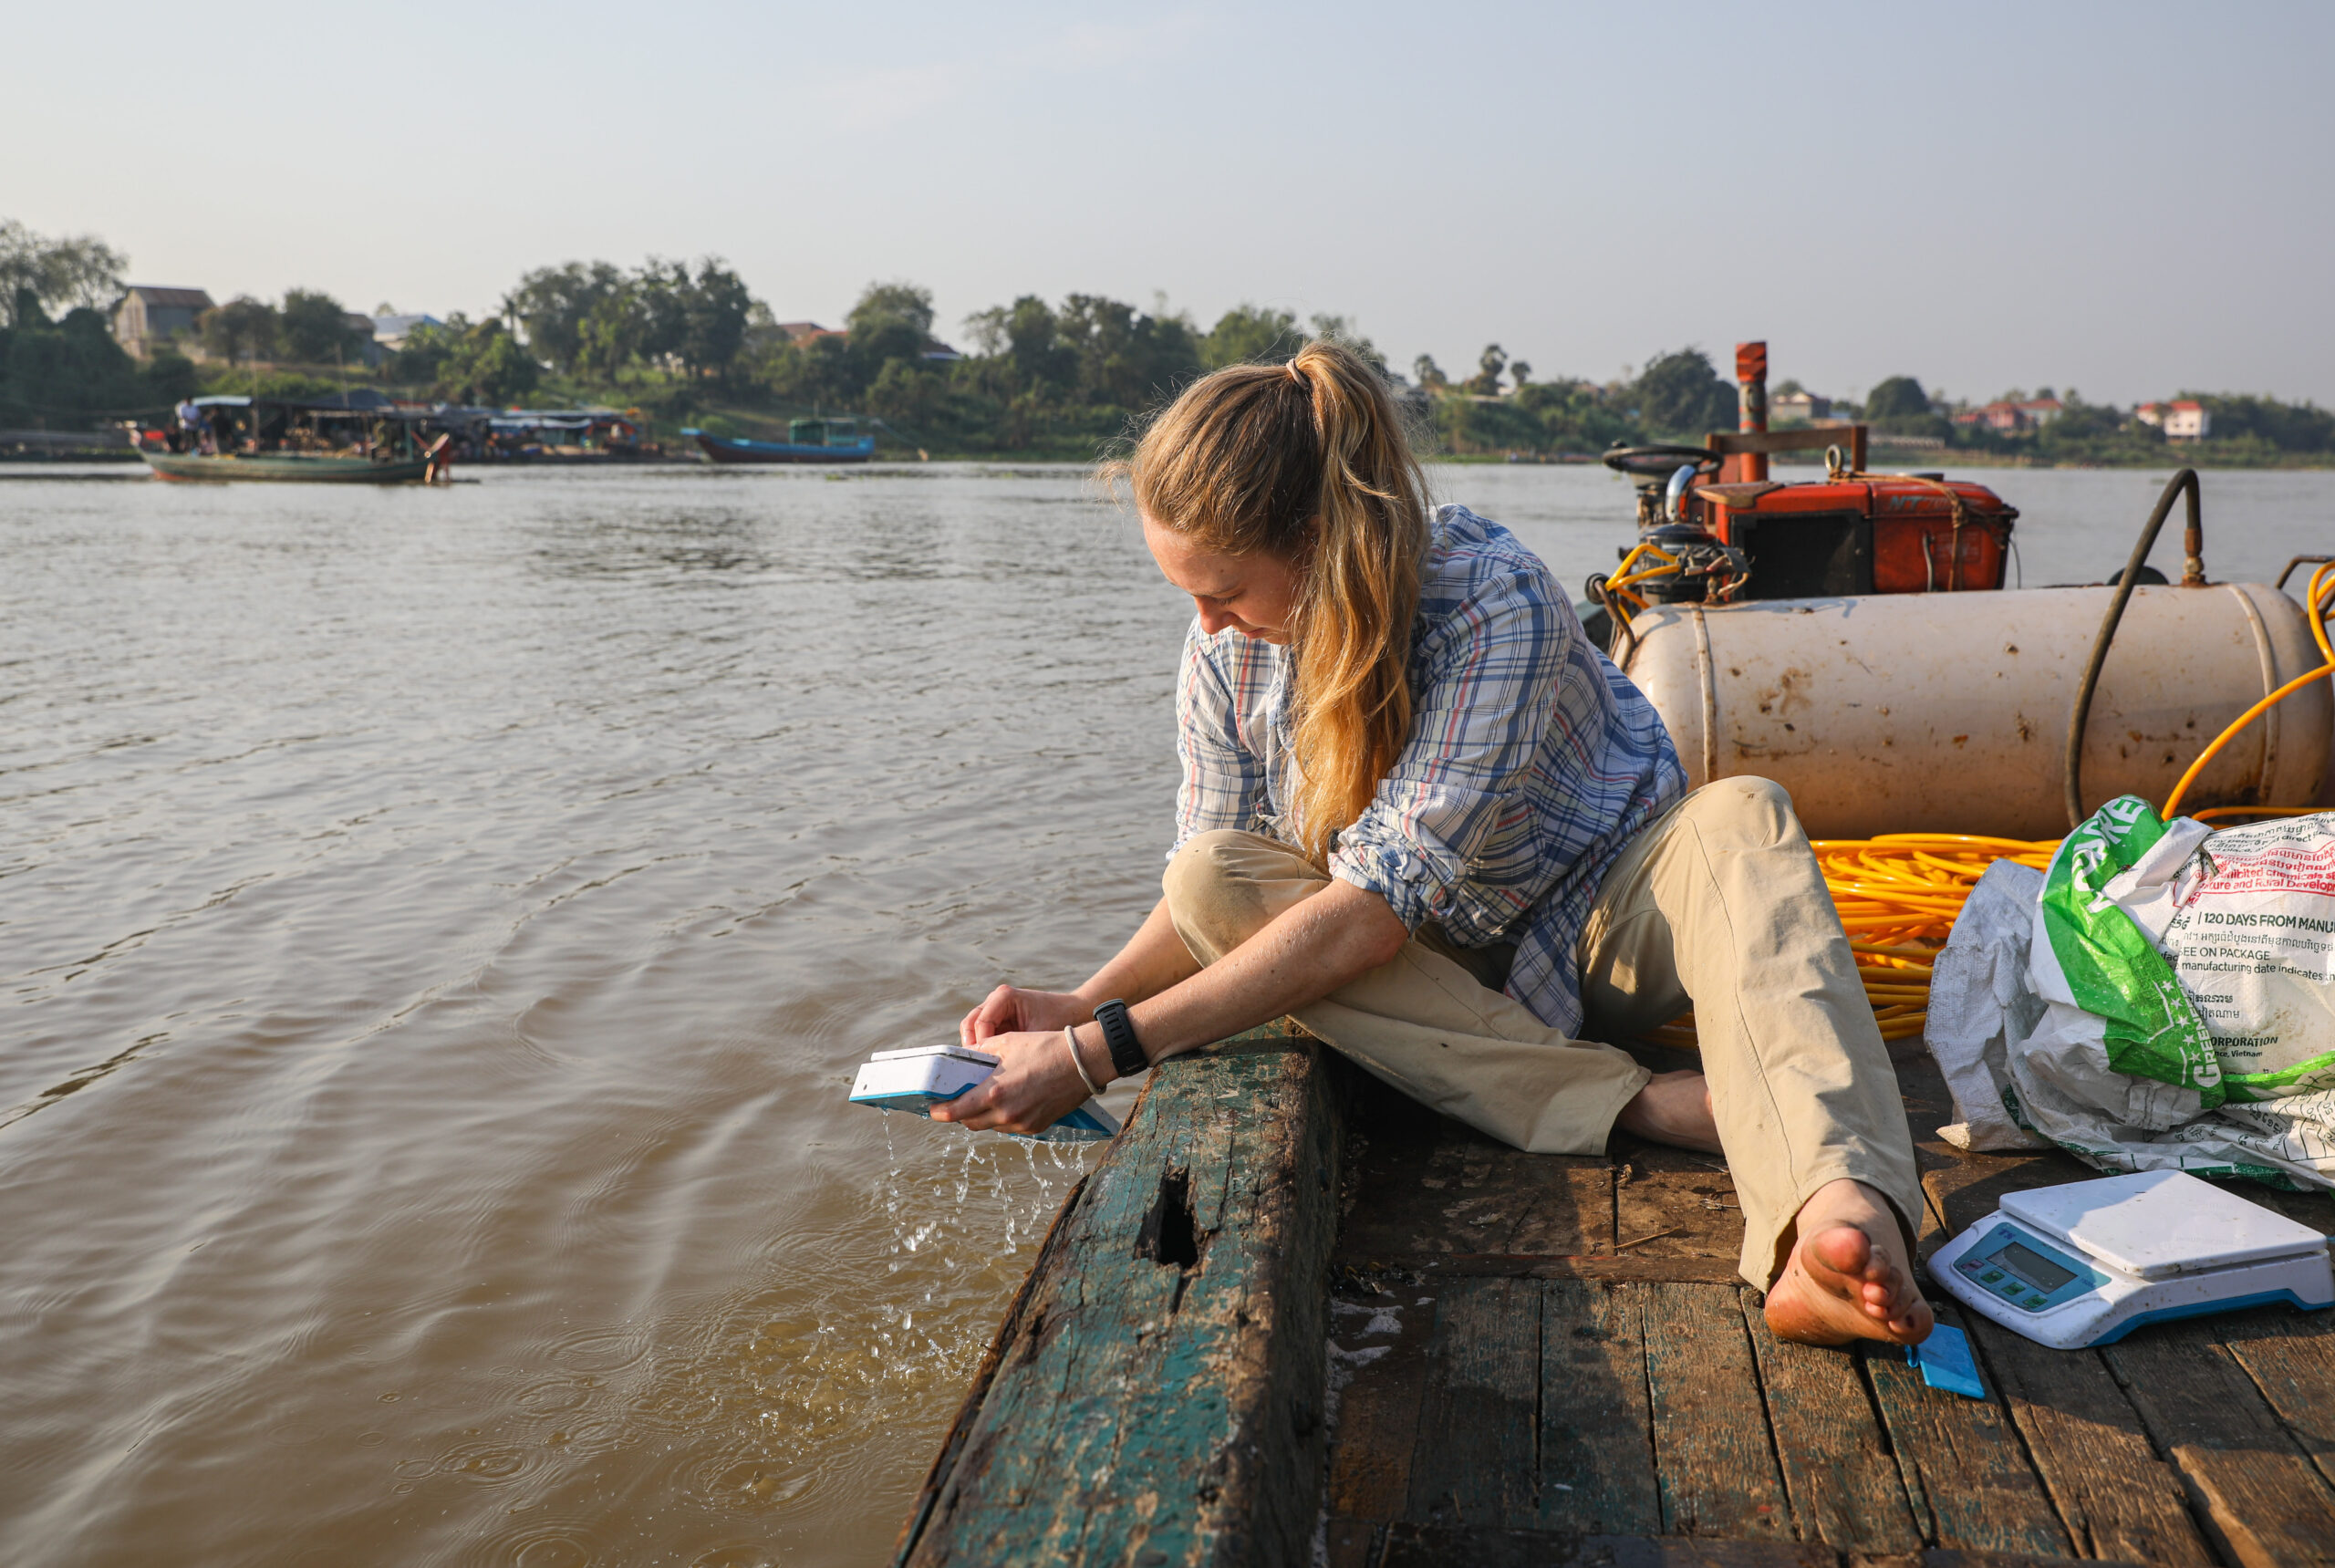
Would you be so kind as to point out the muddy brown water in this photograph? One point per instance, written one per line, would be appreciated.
(439, 928)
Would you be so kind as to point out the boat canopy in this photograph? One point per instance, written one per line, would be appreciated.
(361, 401)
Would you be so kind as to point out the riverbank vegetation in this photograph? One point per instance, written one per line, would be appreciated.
(688, 344)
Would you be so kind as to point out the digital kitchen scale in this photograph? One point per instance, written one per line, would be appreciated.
(923, 1077)
(2089, 1263)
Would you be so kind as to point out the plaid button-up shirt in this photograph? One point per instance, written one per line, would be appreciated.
(1532, 761)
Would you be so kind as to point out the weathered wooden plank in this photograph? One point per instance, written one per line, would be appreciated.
(1378, 1409)
(1969, 1187)
(1474, 1196)
(1420, 1182)
(1474, 1460)
(1673, 1203)
(2261, 1498)
(1965, 1470)
(1160, 1398)
(1418, 1546)
(1844, 1488)
(1936, 1557)
(2117, 1498)
(1350, 1542)
(1421, 1267)
(1717, 1472)
(1427, 1546)
(1596, 1432)
(2290, 1356)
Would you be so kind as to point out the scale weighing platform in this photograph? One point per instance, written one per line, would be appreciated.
(2088, 1263)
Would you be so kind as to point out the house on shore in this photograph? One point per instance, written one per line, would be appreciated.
(150, 316)
(2184, 421)
(390, 331)
(1789, 408)
(2012, 418)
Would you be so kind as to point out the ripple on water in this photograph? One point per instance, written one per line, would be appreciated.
(489, 1464)
(599, 1350)
(539, 1543)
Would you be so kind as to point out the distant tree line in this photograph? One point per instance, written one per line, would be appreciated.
(1061, 377)
(2242, 430)
(60, 367)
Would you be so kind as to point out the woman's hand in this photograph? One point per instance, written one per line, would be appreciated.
(1033, 1087)
(1010, 1009)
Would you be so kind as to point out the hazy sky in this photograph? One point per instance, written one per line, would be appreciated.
(2127, 199)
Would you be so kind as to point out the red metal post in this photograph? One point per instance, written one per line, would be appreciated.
(1751, 394)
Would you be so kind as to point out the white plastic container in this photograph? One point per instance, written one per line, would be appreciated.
(1949, 712)
(922, 1076)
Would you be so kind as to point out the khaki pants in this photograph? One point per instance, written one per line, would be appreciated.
(1717, 904)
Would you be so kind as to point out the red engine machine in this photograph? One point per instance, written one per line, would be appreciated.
(1714, 528)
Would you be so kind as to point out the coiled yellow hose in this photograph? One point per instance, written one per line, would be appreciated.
(1898, 893)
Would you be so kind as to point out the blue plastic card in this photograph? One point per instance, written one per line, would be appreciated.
(1946, 1363)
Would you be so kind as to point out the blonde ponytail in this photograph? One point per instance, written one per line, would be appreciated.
(1308, 460)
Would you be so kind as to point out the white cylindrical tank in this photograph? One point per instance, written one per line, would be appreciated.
(1949, 712)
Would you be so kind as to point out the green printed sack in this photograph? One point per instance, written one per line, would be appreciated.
(2198, 967)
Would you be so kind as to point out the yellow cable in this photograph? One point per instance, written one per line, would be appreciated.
(1897, 894)
(2172, 801)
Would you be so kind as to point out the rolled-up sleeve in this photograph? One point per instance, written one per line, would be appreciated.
(1224, 779)
(1484, 697)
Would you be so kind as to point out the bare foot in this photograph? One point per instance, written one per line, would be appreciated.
(1849, 1277)
(1672, 1108)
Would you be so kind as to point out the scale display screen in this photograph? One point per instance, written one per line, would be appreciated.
(2022, 1271)
(2033, 1267)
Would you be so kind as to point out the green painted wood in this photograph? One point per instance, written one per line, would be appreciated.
(1964, 1470)
(1157, 1392)
(1596, 1433)
(2260, 1496)
(2117, 1498)
(1845, 1487)
(1717, 1471)
(1473, 1463)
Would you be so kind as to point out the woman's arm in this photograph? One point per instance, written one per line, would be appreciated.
(1306, 952)
(1153, 959)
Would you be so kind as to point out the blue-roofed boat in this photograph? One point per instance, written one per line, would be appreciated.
(808, 441)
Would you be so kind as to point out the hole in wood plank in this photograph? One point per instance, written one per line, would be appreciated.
(1168, 1237)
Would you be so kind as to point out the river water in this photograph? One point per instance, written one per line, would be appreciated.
(439, 929)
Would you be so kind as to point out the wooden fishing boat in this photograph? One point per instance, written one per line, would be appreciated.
(1293, 1317)
(808, 441)
(358, 438)
(299, 467)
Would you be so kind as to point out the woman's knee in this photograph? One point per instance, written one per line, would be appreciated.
(1745, 810)
(1213, 885)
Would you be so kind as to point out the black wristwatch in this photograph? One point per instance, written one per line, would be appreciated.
(1118, 1033)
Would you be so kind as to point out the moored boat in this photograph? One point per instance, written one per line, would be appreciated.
(808, 441)
(1293, 1318)
(353, 438)
(296, 466)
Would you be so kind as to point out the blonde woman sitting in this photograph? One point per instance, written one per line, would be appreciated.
(1423, 815)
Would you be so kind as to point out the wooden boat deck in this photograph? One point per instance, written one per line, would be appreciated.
(1293, 1317)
